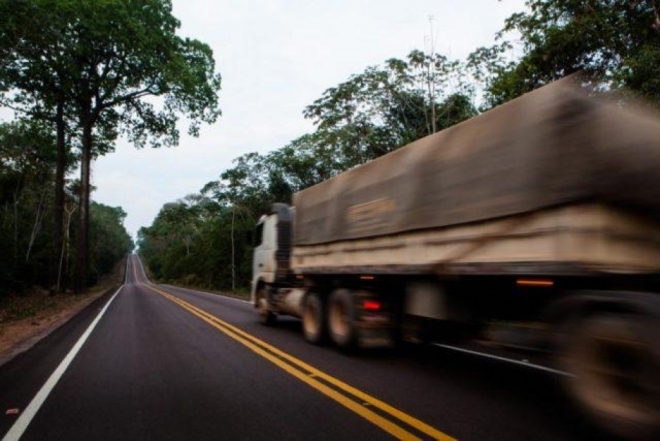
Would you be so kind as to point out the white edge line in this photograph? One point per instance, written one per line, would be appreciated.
(26, 417)
(509, 360)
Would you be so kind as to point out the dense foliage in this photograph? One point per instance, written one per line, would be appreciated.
(27, 182)
(615, 43)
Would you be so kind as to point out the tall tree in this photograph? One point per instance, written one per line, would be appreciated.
(109, 56)
(32, 79)
(386, 107)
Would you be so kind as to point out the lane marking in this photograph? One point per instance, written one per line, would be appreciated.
(207, 294)
(508, 360)
(374, 418)
(21, 424)
(310, 375)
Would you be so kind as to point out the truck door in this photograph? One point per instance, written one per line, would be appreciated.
(264, 263)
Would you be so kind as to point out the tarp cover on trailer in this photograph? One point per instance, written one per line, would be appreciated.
(549, 147)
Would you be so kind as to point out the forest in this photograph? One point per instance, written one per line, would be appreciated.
(76, 76)
(613, 46)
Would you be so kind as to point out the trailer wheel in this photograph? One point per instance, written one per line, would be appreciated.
(342, 321)
(615, 363)
(267, 317)
(313, 319)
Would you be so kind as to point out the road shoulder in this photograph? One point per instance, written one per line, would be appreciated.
(19, 336)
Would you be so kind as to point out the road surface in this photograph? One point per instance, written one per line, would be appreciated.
(160, 362)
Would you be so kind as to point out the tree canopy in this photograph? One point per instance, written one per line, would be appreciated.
(389, 106)
(614, 42)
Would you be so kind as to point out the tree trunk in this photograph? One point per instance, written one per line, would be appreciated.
(431, 88)
(16, 228)
(83, 226)
(59, 197)
(233, 253)
(41, 210)
(64, 256)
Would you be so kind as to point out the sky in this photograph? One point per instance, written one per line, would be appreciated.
(276, 57)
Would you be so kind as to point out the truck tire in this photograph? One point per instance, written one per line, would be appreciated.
(313, 319)
(342, 319)
(267, 317)
(615, 362)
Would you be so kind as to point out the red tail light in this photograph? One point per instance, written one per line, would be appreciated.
(535, 282)
(372, 305)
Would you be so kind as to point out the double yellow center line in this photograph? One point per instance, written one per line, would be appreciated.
(391, 420)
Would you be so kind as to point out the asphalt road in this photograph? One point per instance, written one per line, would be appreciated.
(160, 362)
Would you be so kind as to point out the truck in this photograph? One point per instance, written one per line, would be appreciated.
(532, 227)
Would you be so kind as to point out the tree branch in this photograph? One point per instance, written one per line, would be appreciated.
(129, 97)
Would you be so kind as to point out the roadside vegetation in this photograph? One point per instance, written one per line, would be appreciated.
(78, 75)
(27, 180)
(204, 239)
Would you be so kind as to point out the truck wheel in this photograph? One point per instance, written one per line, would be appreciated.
(615, 361)
(267, 317)
(342, 319)
(313, 319)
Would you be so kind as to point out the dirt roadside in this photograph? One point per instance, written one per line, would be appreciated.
(45, 314)
(20, 335)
